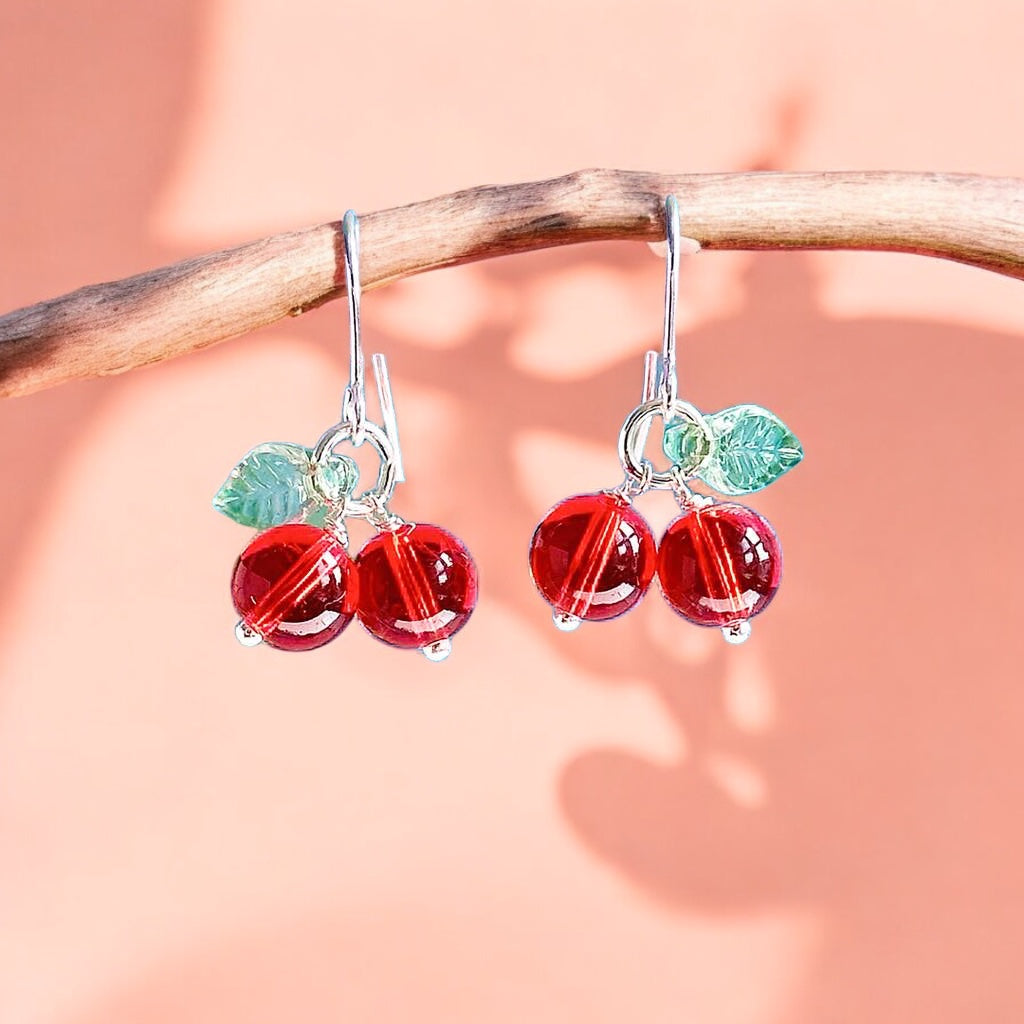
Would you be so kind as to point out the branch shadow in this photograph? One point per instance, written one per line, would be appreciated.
(889, 776)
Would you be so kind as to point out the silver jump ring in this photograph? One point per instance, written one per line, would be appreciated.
(633, 436)
(381, 492)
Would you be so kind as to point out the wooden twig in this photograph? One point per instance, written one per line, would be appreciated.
(110, 328)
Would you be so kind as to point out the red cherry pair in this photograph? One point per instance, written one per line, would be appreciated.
(593, 557)
(296, 587)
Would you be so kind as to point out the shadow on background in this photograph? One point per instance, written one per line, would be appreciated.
(891, 769)
(892, 772)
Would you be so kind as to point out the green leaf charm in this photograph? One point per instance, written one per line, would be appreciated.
(686, 445)
(752, 448)
(274, 483)
(317, 515)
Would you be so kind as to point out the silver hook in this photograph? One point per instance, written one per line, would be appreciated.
(353, 409)
(660, 379)
(668, 386)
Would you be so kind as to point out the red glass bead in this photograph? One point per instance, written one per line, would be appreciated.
(417, 585)
(719, 565)
(295, 585)
(593, 556)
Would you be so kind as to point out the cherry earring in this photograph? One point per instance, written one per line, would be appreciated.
(295, 586)
(593, 556)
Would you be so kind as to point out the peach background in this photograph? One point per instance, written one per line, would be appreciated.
(632, 823)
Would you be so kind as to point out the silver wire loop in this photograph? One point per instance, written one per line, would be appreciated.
(668, 385)
(631, 487)
(353, 407)
(640, 474)
(370, 501)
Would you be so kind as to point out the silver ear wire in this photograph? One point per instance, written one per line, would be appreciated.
(353, 407)
(668, 386)
(660, 379)
(660, 395)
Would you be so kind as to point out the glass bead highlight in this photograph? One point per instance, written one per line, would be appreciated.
(295, 586)
(417, 587)
(719, 565)
(592, 557)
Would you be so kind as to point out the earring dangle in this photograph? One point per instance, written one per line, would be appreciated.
(593, 556)
(295, 587)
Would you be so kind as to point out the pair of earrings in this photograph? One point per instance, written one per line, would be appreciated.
(592, 557)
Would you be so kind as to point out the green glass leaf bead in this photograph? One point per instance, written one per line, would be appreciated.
(752, 449)
(337, 477)
(317, 515)
(686, 445)
(267, 487)
(273, 483)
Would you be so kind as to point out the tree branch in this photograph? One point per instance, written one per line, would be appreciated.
(110, 328)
